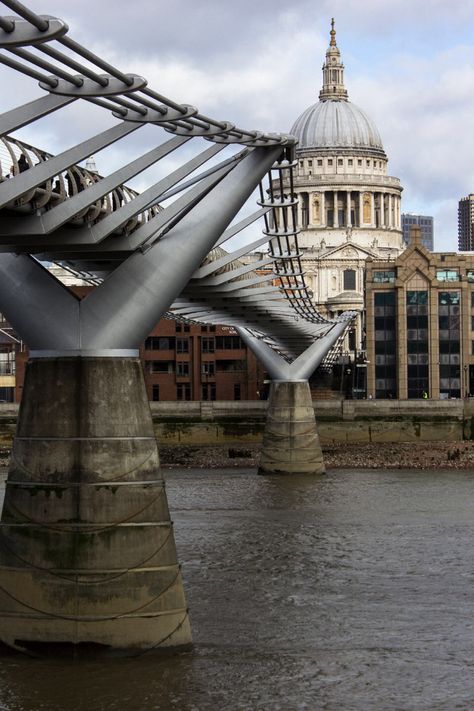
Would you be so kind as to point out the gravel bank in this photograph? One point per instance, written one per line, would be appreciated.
(403, 455)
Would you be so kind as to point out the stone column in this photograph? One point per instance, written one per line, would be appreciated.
(382, 210)
(349, 219)
(300, 209)
(361, 209)
(324, 221)
(336, 211)
(291, 441)
(390, 208)
(372, 205)
(90, 554)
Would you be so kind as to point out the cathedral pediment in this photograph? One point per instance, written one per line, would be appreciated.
(349, 252)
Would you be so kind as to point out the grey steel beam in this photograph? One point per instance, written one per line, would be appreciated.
(235, 229)
(21, 116)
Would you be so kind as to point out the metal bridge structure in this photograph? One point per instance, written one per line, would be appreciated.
(87, 552)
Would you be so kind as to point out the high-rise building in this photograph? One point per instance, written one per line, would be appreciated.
(466, 224)
(424, 222)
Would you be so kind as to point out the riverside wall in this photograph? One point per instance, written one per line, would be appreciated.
(339, 421)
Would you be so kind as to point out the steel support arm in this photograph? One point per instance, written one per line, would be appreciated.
(124, 309)
(21, 116)
(43, 311)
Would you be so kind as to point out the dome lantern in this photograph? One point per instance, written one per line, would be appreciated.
(333, 72)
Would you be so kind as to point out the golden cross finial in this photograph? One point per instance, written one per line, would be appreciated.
(333, 34)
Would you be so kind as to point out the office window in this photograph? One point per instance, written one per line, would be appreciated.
(208, 345)
(160, 366)
(470, 276)
(236, 391)
(384, 277)
(155, 392)
(182, 345)
(158, 343)
(208, 368)
(183, 391)
(208, 391)
(228, 342)
(182, 368)
(447, 275)
(320, 161)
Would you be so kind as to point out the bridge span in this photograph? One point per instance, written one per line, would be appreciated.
(87, 551)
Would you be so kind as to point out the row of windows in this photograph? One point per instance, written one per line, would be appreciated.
(186, 328)
(389, 275)
(340, 161)
(183, 391)
(181, 345)
(209, 367)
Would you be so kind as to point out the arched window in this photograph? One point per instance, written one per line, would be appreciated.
(349, 280)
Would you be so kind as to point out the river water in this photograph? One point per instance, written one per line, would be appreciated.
(354, 591)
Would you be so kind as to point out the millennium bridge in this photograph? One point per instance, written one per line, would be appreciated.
(87, 553)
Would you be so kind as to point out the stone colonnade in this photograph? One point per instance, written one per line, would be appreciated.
(355, 208)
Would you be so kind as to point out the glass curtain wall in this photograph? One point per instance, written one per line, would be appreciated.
(417, 345)
(385, 345)
(449, 310)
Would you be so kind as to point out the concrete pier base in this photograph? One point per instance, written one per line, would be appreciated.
(87, 552)
(290, 440)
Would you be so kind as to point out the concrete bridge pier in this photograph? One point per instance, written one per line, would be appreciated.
(290, 440)
(87, 552)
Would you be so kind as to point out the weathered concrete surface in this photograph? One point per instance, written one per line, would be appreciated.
(290, 440)
(87, 552)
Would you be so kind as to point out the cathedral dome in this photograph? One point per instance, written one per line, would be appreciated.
(336, 124)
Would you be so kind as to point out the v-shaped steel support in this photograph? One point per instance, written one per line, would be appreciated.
(119, 314)
(303, 366)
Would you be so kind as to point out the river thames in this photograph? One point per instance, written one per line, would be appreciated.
(349, 592)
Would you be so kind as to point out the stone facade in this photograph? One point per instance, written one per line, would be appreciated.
(420, 325)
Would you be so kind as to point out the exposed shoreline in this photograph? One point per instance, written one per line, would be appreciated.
(385, 455)
(375, 455)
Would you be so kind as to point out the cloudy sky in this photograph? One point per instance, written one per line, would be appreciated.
(409, 65)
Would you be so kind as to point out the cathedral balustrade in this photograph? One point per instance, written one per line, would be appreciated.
(346, 180)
